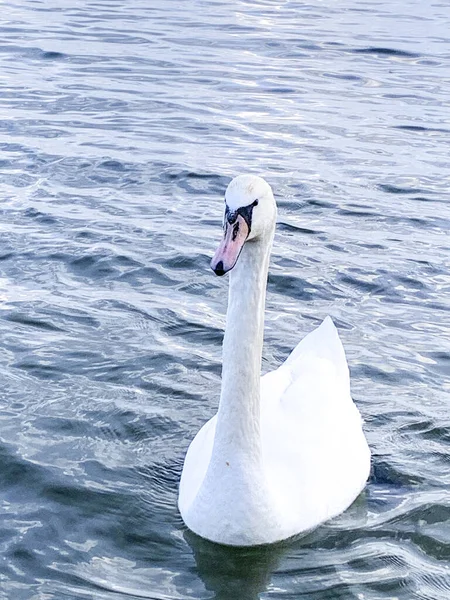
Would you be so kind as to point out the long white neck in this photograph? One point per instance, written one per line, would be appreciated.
(238, 419)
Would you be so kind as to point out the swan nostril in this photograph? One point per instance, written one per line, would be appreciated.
(218, 269)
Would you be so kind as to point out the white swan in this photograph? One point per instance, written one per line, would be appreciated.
(285, 452)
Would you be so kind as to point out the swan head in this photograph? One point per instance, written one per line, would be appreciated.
(250, 215)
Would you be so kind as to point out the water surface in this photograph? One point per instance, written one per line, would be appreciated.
(121, 125)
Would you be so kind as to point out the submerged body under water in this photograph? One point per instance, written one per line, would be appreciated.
(122, 124)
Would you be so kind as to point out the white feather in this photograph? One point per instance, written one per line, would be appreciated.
(288, 458)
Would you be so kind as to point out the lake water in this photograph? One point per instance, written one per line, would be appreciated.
(121, 125)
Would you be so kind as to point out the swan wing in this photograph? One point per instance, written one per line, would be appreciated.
(315, 452)
(196, 464)
(322, 343)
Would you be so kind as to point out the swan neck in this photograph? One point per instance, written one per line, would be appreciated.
(238, 419)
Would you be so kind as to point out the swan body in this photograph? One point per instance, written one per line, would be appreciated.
(286, 451)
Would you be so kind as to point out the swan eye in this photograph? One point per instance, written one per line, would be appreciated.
(255, 203)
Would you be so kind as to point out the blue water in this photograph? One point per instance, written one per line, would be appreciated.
(121, 125)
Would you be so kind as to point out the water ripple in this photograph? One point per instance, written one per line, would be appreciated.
(122, 125)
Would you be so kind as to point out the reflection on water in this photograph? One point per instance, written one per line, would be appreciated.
(230, 572)
(121, 127)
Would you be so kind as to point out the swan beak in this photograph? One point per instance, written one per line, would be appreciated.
(231, 245)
